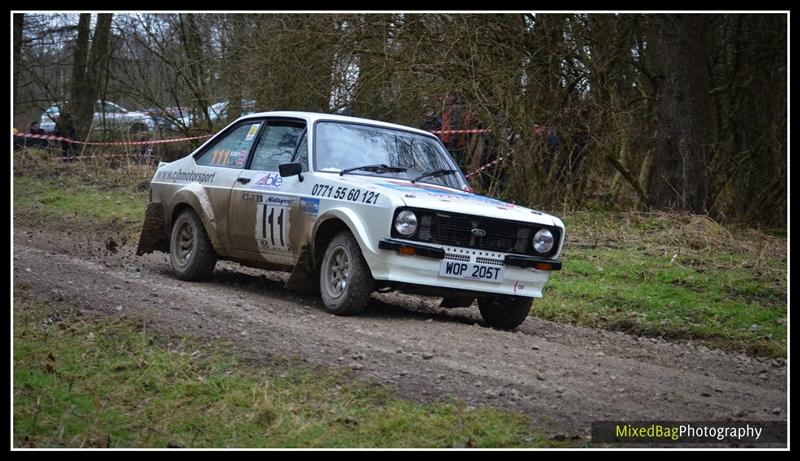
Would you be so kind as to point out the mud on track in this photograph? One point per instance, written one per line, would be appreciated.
(561, 376)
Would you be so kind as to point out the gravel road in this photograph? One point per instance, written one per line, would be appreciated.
(561, 376)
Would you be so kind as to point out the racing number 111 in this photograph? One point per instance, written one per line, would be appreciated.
(269, 217)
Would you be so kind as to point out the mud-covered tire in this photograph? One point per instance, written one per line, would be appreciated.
(504, 312)
(344, 277)
(191, 255)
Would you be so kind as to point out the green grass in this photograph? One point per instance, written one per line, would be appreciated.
(82, 382)
(657, 276)
(77, 197)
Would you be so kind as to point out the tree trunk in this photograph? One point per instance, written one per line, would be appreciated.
(81, 103)
(679, 179)
(192, 44)
(19, 24)
(98, 57)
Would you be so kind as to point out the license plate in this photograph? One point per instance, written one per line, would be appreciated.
(470, 271)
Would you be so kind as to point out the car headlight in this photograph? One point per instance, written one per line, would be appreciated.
(406, 223)
(543, 241)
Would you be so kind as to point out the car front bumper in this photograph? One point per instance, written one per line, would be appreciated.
(393, 262)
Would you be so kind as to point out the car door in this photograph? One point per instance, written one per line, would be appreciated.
(223, 160)
(269, 213)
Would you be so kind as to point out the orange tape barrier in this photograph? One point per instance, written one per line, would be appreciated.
(166, 141)
(114, 143)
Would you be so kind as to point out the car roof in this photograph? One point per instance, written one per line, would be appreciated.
(311, 117)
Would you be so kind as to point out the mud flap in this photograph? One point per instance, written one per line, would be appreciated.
(153, 237)
(457, 302)
(304, 279)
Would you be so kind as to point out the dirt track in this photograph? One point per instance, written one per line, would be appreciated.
(562, 376)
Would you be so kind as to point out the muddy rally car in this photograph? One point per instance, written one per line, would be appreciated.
(349, 206)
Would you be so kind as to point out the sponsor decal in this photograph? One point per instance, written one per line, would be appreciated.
(252, 133)
(444, 194)
(309, 205)
(248, 197)
(350, 194)
(278, 200)
(269, 181)
(273, 223)
(185, 176)
(272, 200)
(242, 158)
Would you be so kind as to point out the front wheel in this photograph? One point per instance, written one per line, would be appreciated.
(504, 312)
(344, 277)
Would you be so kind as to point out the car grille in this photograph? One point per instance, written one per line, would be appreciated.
(455, 229)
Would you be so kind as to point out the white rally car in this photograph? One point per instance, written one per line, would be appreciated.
(349, 206)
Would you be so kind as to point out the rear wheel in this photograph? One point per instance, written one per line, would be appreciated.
(504, 312)
(344, 277)
(191, 255)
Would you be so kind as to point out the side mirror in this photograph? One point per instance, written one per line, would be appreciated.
(291, 169)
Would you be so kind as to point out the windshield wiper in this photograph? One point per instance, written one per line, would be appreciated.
(441, 172)
(380, 169)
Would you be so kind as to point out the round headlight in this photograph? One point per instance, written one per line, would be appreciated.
(543, 241)
(406, 223)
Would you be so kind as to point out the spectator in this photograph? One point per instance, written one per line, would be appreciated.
(553, 143)
(35, 129)
(430, 121)
(65, 127)
(453, 119)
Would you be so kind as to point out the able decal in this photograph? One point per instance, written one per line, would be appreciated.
(271, 181)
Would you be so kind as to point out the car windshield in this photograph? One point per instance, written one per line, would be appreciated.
(341, 146)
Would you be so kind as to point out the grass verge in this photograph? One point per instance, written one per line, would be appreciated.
(674, 276)
(101, 197)
(91, 382)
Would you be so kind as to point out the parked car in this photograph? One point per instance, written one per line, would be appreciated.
(107, 115)
(175, 118)
(349, 206)
(170, 118)
(219, 111)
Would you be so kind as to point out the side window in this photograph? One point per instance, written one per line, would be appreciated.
(276, 146)
(302, 153)
(231, 151)
(113, 108)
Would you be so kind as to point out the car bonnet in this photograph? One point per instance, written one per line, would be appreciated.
(434, 197)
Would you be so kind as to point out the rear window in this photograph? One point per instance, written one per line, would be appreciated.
(231, 151)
